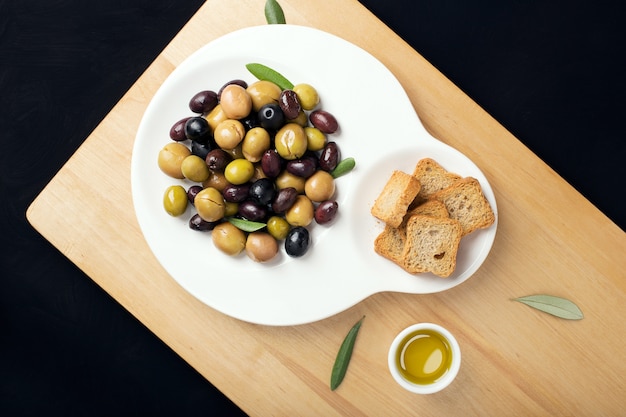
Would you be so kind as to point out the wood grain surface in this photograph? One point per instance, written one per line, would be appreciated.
(515, 360)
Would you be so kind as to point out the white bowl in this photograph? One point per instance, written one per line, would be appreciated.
(443, 381)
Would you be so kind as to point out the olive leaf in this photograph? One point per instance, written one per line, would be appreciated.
(263, 72)
(343, 356)
(246, 225)
(343, 167)
(557, 306)
(274, 13)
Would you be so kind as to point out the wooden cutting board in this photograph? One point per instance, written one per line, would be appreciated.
(516, 360)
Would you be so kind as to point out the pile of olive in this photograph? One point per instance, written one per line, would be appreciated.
(259, 162)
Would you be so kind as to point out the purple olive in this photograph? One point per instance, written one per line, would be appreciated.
(271, 163)
(236, 193)
(304, 167)
(217, 159)
(177, 131)
(329, 157)
(252, 210)
(284, 199)
(289, 104)
(203, 102)
(326, 211)
(324, 121)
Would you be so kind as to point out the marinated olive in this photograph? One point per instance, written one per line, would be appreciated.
(203, 101)
(177, 131)
(278, 227)
(216, 180)
(229, 133)
(324, 121)
(271, 117)
(303, 167)
(263, 92)
(241, 83)
(239, 171)
(175, 200)
(261, 246)
(290, 141)
(263, 191)
(194, 168)
(289, 104)
(217, 159)
(252, 210)
(320, 186)
(192, 192)
(236, 102)
(326, 211)
(271, 163)
(197, 223)
(196, 128)
(171, 158)
(297, 242)
(210, 204)
(329, 157)
(284, 199)
(301, 212)
(236, 193)
(255, 143)
(307, 96)
(228, 238)
(286, 179)
(316, 139)
(215, 117)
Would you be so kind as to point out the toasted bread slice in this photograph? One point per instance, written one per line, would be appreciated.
(390, 243)
(432, 177)
(434, 208)
(466, 203)
(431, 245)
(393, 201)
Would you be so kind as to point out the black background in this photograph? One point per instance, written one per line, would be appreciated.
(551, 72)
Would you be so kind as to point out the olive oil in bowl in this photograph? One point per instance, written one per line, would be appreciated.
(424, 358)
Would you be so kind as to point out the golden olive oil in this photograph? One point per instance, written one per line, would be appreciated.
(424, 357)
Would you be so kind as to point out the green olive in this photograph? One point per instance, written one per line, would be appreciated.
(235, 101)
(307, 95)
(286, 179)
(302, 119)
(215, 117)
(263, 92)
(320, 186)
(228, 238)
(301, 212)
(255, 143)
(229, 133)
(195, 169)
(210, 204)
(261, 246)
(278, 227)
(316, 139)
(175, 200)
(216, 180)
(171, 158)
(239, 171)
(230, 209)
(290, 141)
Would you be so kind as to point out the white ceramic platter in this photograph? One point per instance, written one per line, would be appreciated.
(378, 127)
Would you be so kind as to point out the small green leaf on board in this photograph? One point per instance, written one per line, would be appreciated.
(343, 356)
(274, 13)
(557, 306)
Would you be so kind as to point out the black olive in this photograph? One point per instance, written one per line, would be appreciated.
(297, 241)
(263, 191)
(196, 127)
(271, 117)
(197, 223)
